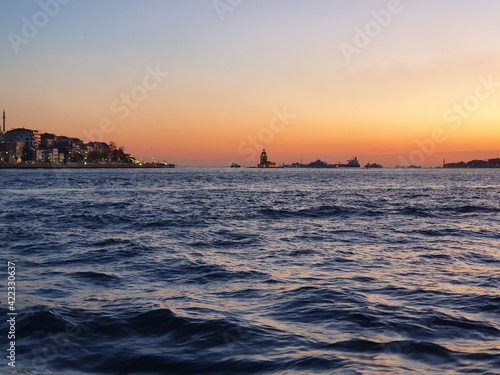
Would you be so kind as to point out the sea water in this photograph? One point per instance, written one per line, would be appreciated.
(221, 271)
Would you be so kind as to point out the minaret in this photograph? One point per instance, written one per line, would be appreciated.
(3, 117)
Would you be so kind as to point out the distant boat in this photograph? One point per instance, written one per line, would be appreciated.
(320, 164)
(164, 164)
(353, 163)
(314, 164)
(373, 165)
(414, 166)
(235, 165)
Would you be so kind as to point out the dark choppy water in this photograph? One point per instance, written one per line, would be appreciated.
(218, 271)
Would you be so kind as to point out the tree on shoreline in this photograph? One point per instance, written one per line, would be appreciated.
(118, 155)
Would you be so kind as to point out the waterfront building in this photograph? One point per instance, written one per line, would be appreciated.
(48, 156)
(11, 152)
(30, 138)
(48, 140)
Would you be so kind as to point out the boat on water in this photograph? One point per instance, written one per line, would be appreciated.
(235, 165)
(164, 164)
(373, 165)
(314, 164)
(320, 164)
(353, 163)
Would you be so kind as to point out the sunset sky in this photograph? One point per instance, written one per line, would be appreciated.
(312, 78)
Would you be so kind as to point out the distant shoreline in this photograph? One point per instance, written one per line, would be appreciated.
(153, 166)
(77, 166)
